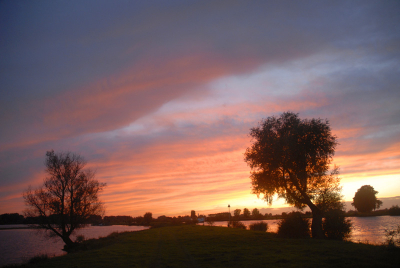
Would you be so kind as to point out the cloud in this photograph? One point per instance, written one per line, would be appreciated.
(160, 97)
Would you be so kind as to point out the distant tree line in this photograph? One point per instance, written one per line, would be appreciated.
(15, 218)
(12, 218)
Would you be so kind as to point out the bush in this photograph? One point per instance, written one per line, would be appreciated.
(393, 237)
(394, 211)
(335, 225)
(210, 221)
(294, 226)
(259, 226)
(237, 224)
(80, 239)
(38, 258)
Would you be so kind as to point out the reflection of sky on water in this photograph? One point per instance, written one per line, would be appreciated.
(372, 229)
(19, 245)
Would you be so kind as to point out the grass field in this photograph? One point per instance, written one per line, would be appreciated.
(204, 246)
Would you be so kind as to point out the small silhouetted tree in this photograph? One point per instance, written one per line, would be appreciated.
(335, 225)
(236, 213)
(246, 213)
(147, 218)
(329, 201)
(365, 199)
(255, 213)
(68, 197)
(291, 157)
(328, 197)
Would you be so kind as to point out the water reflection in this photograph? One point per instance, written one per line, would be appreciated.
(365, 229)
(19, 245)
(372, 229)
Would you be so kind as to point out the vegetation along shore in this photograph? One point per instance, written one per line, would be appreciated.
(208, 246)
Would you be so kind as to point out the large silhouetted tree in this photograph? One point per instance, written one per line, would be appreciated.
(365, 199)
(291, 157)
(68, 197)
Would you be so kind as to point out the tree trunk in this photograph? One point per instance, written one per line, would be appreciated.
(316, 225)
(69, 244)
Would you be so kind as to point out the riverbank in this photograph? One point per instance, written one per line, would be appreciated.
(205, 246)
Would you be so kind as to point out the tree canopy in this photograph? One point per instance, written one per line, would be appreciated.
(255, 213)
(236, 212)
(291, 157)
(365, 199)
(246, 212)
(68, 197)
(148, 217)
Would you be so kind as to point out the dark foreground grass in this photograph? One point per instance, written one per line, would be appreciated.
(204, 246)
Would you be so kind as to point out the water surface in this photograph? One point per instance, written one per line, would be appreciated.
(364, 229)
(19, 245)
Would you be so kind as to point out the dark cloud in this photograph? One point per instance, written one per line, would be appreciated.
(49, 48)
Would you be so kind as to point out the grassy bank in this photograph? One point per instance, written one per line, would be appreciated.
(204, 246)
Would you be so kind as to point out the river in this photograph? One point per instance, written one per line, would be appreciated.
(364, 229)
(19, 245)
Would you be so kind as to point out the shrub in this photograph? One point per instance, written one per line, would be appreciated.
(393, 237)
(38, 258)
(237, 224)
(394, 211)
(259, 226)
(294, 226)
(335, 225)
(80, 239)
(210, 221)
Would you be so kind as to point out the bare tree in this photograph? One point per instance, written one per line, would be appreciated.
(68, 197)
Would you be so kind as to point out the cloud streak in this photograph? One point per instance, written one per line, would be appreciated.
(159, 97)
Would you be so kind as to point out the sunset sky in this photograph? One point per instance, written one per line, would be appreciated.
(159, 96)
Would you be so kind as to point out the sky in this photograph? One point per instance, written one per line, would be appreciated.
(159, 96)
